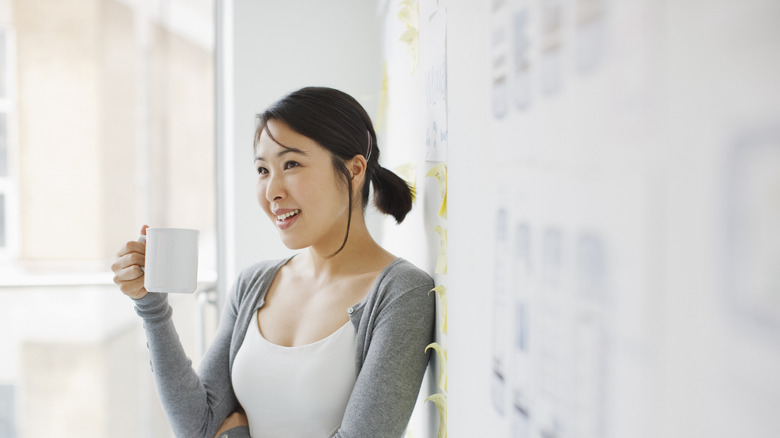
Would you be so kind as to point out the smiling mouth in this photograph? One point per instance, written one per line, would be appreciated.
(289, 214)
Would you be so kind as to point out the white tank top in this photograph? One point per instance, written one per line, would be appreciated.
(295, 392)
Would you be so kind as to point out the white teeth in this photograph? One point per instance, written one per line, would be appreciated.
(282, 217)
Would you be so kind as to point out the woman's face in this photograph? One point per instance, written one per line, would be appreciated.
(299, 189)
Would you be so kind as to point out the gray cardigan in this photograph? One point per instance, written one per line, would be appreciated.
(394, 324)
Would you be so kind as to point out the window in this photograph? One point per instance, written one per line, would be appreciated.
(106, 124)
(7, 182)
(2, 220)
(7, 414)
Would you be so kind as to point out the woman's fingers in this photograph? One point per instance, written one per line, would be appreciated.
(130, 247)
(133, 288)
(127, 260)
(130, 281)
(128, 273)
(128, 268)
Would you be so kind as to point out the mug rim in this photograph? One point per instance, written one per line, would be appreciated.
(172, 229)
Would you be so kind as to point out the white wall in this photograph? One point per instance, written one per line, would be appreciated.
(665, 150)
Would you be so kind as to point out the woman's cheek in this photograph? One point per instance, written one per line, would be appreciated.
(261, 194)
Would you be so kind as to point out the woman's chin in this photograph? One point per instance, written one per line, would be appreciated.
(293, 244)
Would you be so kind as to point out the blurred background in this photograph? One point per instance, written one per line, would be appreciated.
(106, 124)
(598, 199)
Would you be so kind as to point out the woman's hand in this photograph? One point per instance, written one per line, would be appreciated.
(235, 419)
(128, 271)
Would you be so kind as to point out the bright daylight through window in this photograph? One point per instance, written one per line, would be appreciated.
(106, 124)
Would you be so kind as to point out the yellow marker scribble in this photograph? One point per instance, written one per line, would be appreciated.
(441, 291)
(411, 37)
(440, 400)
(382, 109)
(441, 259)
(439, 171)
(442, 354)
(408, 172)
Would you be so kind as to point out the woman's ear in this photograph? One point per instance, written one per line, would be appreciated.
(357, 169)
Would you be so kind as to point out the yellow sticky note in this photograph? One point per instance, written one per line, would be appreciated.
(441, 291)
(408, 172)
(381, 111)
(409, 15)
(411, 39)
(439, 172)
(442, 354)
(441, 259)
(440, 400)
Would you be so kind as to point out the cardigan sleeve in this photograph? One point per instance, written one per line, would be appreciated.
(394, 365)
(196, 404)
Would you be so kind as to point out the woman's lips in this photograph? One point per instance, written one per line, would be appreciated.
(285, 218)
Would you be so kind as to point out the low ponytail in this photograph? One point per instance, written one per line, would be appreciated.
(392, 195)
(338, 123)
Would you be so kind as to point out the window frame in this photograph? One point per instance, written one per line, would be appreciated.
(9, 183)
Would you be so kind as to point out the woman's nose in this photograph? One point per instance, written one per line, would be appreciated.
(274, 189)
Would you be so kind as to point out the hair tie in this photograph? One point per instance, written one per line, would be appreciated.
(368, 154)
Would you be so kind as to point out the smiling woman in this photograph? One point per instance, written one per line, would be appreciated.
(329, 342)
(340, 125)
(297, 186)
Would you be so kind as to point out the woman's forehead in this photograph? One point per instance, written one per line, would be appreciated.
(277, 138)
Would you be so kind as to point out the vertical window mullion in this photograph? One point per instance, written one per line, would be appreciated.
(8, 199)
(2, 221)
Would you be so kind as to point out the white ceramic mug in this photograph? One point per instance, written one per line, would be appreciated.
(171, 260)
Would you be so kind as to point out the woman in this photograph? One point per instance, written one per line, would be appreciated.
(327, 343)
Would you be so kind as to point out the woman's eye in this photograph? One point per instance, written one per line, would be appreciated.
(262, 170)
(291, 164)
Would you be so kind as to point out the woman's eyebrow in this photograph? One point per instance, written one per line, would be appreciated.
(284, 151)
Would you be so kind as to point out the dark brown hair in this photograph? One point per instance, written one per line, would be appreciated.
(338, 123)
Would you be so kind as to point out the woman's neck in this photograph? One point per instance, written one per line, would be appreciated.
(360, 254)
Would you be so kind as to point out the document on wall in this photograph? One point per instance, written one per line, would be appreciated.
(433, 60)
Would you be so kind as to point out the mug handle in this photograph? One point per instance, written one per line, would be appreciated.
(142, 239)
